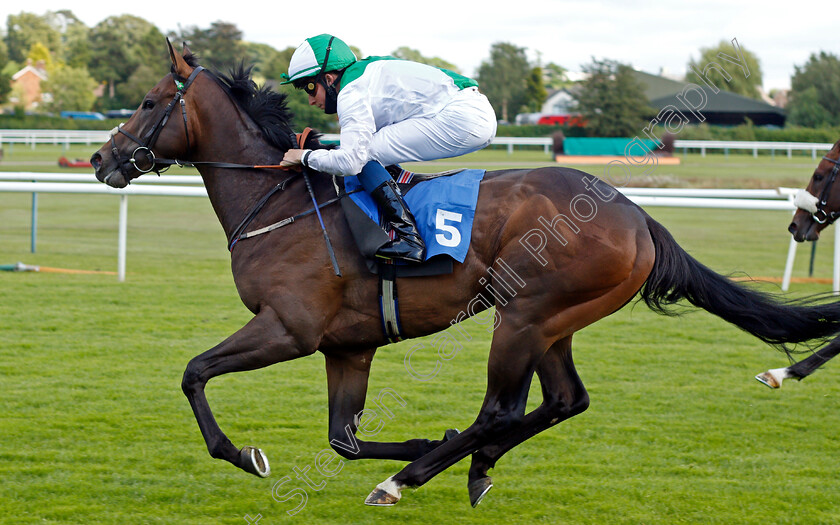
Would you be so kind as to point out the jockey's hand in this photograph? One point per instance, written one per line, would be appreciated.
(292, 158)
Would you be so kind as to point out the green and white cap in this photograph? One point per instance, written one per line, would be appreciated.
(308, 58)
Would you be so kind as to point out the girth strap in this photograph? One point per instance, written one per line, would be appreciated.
(389, 305)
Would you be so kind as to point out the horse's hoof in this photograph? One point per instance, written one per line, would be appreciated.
(478, 489)
(449, 434)
(773, 378)
(386, 494)
(253, 460)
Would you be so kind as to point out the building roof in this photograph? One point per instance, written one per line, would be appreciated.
(723, 107)
(30, 69)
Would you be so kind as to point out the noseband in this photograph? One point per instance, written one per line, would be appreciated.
(148, 141)
(821, 216)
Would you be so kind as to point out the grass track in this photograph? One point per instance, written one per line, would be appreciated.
(94, 428)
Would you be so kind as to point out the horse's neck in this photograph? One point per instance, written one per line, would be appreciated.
(234, 191)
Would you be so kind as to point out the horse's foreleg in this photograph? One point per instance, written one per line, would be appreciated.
(802, 369)
(262, 342)
(564, 396)
(514, 355)
(347, 380)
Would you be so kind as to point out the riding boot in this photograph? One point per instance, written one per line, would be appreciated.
(408, 246)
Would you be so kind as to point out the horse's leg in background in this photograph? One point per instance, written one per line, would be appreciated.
(516, 350)
(262, 342)
(773, 378)
(347, 381)
(564, 396)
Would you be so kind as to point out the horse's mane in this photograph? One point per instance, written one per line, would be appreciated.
(267, 108)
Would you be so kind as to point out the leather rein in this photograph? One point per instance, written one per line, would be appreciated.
(149, 162)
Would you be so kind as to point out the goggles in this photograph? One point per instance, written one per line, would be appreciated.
(310, 88)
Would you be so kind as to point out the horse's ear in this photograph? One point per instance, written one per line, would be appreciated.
(181, 67)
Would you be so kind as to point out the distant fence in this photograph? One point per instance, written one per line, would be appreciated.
(32, 137)
(755, 146)
(175, 185)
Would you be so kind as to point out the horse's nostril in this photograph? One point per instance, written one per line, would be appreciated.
(792, 227)
(96, 160)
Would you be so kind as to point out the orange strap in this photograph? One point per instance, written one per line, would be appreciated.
(301, 140)
(301, 137)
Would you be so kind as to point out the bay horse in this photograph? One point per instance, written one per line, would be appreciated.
(553, 250)
(818, 206)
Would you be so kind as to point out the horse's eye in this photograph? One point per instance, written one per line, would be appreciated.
(818, 177)
(148, 104)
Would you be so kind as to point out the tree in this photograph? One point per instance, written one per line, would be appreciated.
(554, 76)
(75, 48)
(406, 53)
(502, 78)
(39, 53)
(71, 89)
(813, 92)
(119, 45)
(611, 100)
(805, 110)
(26, 29)
(131, 92)
(220, 46)
(535, 92)
(5, 86)
(738, 81)
(6, 68)
(260, 56)
(4, 54)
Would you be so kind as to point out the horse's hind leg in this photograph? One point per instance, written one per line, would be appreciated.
(514, 354)
(802, 369)
(262, 342)
(564, 396)
(347, 380)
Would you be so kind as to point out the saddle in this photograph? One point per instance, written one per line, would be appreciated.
(444, 210)
(443, 205)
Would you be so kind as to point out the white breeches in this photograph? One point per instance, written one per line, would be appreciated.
(466, 124)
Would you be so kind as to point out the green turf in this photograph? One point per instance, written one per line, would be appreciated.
(94, 427)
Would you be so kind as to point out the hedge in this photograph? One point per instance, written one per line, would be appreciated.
(693, 132)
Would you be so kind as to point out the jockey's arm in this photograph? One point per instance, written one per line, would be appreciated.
(355, 116)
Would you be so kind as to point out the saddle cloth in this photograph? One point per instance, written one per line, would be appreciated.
(444, 208)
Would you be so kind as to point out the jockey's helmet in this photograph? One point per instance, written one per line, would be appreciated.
(309, 58)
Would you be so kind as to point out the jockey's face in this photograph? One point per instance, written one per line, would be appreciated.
(317, 98)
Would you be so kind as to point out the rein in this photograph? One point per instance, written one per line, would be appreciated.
(159, 165)
(239, 233)
(145, 144)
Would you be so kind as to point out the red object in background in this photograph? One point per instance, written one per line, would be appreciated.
(78, 163)
(560, 120)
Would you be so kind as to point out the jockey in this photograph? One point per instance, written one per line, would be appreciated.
(389, 111)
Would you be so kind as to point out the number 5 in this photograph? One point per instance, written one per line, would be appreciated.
(454, 237)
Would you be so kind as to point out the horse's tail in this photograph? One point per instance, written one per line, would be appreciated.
(778, 322)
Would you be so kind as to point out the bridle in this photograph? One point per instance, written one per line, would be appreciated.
(151, 136)
(147, 142)
(820, 215)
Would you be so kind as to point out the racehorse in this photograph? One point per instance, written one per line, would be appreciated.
(553, 250)
(818, 206)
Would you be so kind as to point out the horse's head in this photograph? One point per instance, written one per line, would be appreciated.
(819, 204)
(161, 125)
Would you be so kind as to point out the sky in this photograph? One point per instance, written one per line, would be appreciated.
(652, 36)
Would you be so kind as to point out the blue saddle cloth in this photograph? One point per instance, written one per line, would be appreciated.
(444, 208)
